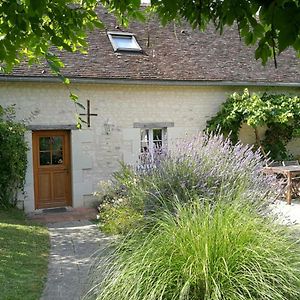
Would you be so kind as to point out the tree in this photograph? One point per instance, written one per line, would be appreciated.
(271, 25)
(29, 28)
(280, 113)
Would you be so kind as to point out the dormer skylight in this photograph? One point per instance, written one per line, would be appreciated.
(124, 41)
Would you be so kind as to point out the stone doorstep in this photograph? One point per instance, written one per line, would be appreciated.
(71, 214)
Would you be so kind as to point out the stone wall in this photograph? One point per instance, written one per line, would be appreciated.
(96, 151)
(247, 136)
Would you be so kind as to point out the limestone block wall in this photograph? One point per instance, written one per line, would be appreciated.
(97, 151)
(294, 147)
(247, 136)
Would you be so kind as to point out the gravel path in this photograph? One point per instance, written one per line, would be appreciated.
(287, 214)
(73, 245)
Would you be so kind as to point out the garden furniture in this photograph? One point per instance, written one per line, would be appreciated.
(291, 172)
(290, 163)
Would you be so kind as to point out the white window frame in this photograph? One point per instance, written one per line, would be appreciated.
(112, 34)
(151, 140)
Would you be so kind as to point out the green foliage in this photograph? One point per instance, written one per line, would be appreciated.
(279, 112)
(272, 26)
(24, 250)
(223, 252)
(192, 171)
(121, 204)
(205, 234)
(126, 184)
(13, 157)
(28, 29)
(119, 219)
(276, 138)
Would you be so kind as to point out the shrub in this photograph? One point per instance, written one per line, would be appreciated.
(13, 157)
(201, 167)
(118, 218)
(225, 251)
(126, 185)
(280, 113)
(120, 204)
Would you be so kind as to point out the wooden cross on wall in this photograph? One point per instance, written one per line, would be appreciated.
(88, 114)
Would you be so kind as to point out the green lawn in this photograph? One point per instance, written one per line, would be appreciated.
(24, 249)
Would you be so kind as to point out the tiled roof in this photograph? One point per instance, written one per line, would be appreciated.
(172, 53)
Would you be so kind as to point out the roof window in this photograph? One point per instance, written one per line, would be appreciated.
(123, 41)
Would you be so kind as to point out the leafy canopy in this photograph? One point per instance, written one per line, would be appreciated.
(28, 28)
(278, 112)
(271, 25)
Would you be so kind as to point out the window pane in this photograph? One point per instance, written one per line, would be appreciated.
(57, 157)
(57, 143)
(157, 144)
(145, 135)
(144, 140)
(44, 143)
(157, 134)
(45, 158)
(125, 42)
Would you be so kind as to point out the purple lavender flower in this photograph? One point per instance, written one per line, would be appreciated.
(208, 165)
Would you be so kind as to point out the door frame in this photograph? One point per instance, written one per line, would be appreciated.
(35, 155)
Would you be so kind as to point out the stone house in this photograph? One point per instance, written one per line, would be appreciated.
(146, 85)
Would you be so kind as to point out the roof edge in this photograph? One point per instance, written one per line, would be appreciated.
(169, 82)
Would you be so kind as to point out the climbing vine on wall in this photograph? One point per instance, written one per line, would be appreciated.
(13, 157)
(280, 113)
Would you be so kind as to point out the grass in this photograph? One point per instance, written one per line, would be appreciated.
(24, 249)
(204, 253)
(206, 233)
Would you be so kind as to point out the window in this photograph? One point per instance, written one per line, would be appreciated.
(122, 41)
(51, 150)
(153, 139)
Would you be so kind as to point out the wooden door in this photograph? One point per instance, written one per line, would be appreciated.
(51, 164)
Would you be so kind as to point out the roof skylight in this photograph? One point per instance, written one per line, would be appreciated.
(123, 41)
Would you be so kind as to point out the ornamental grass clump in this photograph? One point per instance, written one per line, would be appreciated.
(204, 252)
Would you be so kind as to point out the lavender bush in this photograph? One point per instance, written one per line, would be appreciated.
(206, 167)
(211, 167)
